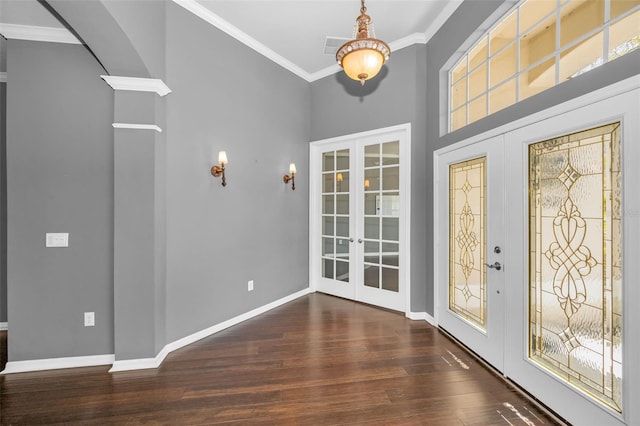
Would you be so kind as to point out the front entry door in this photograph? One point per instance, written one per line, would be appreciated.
(569, 238)
(359, 217)
(471, 240)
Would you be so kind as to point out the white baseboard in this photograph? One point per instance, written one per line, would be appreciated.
(144, 363)
(57, 363)
(139, 363)
(416, 316)
(4, 326)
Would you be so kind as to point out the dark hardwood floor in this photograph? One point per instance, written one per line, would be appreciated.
(318, 360)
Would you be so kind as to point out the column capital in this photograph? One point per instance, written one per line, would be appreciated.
(137, 84)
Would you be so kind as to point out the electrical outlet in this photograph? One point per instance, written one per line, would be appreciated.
(89, 319)
(250, 285)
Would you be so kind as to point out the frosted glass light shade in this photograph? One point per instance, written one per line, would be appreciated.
(292, 168)
(363, 64)
(363, 57)
(222, 158)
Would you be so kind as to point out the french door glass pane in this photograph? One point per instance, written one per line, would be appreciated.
(390, 153)
(335, 215)
(372, 179)
(381, 215)
(576, 262)
(467, 236)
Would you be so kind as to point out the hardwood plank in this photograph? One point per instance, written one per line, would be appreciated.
(318, 360)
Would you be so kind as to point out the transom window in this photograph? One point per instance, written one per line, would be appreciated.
(538, 44)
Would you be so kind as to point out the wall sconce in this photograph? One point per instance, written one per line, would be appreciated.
(216, 171)
(292, 178)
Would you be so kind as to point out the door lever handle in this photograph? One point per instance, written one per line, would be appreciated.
(497, 266)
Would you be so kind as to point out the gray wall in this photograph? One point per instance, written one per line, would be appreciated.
(228, 97)
(340, 106)
(443, 45)
(59, 179)
(3, 185)
(144, 24)
(60, 172)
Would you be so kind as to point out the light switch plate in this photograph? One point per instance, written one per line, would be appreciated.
(89, 319)
(57, 239)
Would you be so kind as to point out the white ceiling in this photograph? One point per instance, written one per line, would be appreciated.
(291, 32)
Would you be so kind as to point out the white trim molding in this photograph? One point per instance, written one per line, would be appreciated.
(137, 126)
(146, 363)
(325, 72)
(139, 363)
(441, 18)
(4, 326)
(421, 316)
(418, 38)
(137, 84)
(410, 40)
(57, 363)
(3, 76)
(202, 12)
(33, 33)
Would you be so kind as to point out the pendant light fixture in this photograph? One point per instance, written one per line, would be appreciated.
(363, 57)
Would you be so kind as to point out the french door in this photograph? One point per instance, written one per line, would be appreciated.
(471, 188)
(359, 217)
(562, 204)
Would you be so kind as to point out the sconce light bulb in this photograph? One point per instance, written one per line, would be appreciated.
(292, 168)
(222, 158)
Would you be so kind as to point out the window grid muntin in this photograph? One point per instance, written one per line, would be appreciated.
(560, 5)
(380, 241)
(336, 257)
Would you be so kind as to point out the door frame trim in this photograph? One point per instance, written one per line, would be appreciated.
(631, 217)
(314, 202)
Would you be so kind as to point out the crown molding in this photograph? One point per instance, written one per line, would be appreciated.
(137, 84)
(3, 77)
(33, 33)
(325, 72)
(417, 38)
(410, 40)
(137, 126)
(441, 18)
(207, 15)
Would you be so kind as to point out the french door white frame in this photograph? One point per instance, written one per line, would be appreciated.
(486, 341)
(620, 101)
(315, 224)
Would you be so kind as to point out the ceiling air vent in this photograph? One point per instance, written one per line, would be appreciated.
(331, 44)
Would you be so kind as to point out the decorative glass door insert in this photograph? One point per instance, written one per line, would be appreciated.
(470, 247)
(467, 213)
(575, 274)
